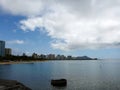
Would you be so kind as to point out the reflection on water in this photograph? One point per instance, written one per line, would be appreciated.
(81, 75)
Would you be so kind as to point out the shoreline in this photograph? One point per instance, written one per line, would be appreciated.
(25, 62)
(19, 62)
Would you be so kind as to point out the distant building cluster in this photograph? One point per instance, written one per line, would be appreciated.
(50, 56)
(4, 51)
(60, 57)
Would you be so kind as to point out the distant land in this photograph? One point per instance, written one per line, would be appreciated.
(35, 56)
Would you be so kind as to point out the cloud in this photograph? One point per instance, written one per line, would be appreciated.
(31, 24)
(71, 24)
(25, 7)
(16, 42)
(21, 7)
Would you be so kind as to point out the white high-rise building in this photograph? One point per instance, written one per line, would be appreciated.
(8, 51)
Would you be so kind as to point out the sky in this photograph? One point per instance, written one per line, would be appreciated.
(69, 27)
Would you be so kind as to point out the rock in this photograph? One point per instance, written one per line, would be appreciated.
(59, 82)
(12, 85)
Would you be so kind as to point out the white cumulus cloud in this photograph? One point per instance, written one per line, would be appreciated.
(22, 7)
(72, 24)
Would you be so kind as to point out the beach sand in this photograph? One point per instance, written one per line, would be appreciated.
(20, 62)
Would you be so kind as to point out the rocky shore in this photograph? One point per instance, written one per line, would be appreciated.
(12, 85)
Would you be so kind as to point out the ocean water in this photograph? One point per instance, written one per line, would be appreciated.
(80, 74)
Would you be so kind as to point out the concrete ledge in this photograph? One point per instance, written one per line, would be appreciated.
(12, 85)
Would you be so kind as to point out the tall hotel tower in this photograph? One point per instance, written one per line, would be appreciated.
(2, 48)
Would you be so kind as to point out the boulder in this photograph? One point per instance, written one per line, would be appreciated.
(59, 82)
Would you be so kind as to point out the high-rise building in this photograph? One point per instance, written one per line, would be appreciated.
(51, 56)
(2, 48)
(8, 51)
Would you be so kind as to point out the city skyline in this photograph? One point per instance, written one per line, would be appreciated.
(82, 28)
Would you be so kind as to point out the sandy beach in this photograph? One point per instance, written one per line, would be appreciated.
(19, 62)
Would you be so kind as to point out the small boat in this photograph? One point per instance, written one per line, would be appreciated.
(59, 82)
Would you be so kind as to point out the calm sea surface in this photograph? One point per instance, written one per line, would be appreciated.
(81, 75)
